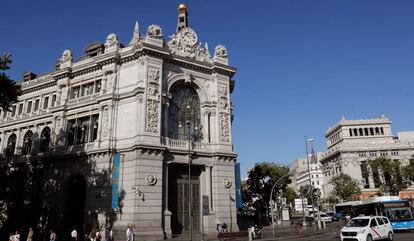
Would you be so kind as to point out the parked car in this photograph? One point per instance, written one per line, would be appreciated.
(367, 228)
(325, 217)
(333, 216)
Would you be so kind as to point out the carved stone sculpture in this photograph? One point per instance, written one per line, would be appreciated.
(154, 31)
(185, 43)
(220, 51)
(111, 40)
(66, 56)
(153, 99)
(105, 121)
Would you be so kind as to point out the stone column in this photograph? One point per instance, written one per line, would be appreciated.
(18, 142)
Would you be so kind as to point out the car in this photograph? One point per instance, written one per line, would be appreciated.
(367, 228)
(333, 216)
(325, 217)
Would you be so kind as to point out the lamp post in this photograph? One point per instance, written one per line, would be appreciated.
(189, 120)
(271, 202)
(309, 174)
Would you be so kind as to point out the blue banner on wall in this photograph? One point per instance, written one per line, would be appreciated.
(237, 180)
(115, 180)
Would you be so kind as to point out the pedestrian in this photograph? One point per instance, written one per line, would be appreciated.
(111, 234)
(52, 236)
(16, 236)
(30, 234)
(107, 233)
(74, 235)
(11, 237)
(98, 236)
(129, 234)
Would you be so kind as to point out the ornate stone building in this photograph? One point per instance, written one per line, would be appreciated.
(351, 143)
(158, 104)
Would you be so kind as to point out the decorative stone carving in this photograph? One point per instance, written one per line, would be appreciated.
(153, 100)
(188, 78)
(154, 31)
(225, 126)
(224, 113)
(151, 180)
(105, 122)
(111, 40)
(220, 51)
(66, 56)
(227, 182)
(110, 81)
(64, 95)
(58, 126)
(223, 91)
(184, 43)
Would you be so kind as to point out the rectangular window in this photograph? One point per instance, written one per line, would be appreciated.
(53, 100)
(98, 86)
(29, 107)
(36, 107)
(20, 109)
(75, 92)
(13, 112)
(46, 102)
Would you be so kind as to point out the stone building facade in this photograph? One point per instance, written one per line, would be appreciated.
(161, 104)
(301, 176)
(351, 143)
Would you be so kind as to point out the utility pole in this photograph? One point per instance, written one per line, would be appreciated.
(309, 174)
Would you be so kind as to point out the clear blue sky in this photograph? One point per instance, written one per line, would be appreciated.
(301, 64)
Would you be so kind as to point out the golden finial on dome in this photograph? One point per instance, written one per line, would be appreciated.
(182, 8)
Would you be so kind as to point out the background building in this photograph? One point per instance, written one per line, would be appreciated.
(301, 178)
(117, 131)
(350, 143)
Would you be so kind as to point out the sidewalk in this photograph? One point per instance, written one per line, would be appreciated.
(281, 233)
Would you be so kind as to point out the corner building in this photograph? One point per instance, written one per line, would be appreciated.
(141, 102)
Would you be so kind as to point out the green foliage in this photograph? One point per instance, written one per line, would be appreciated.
(393, 178)
(344, 186)
(408, 171)
(9, 91)
(290, 195)
(260, 181)
(308, 192)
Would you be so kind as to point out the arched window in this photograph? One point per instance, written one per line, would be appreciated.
(11, 145)
(27, 143)
(377, 131)
(371, 131)
(355, 132)
(45, 139)
(350, 132)
(361, 133)
(382, 130)
(366, 131)
(184, 113)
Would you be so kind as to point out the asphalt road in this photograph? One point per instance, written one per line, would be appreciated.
(334, 236)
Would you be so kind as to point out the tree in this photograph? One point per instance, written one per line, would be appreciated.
(344, 186)
(257, 188)
(9, 90)
(408, 171)
(393, 178)
(290, 195)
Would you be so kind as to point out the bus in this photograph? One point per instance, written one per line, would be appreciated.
(397, 210)
(342, 209)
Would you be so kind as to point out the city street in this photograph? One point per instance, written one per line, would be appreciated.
(328, 236)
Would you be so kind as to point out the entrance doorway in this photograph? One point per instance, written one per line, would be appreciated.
(75, 206)
(179, 198)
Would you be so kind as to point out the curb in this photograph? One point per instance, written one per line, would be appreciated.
(293, 237)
